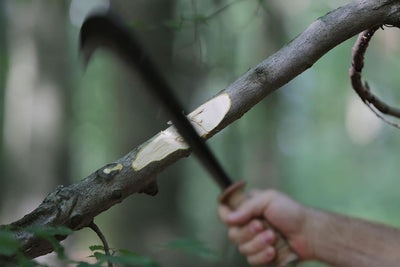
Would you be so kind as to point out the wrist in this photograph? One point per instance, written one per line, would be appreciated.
(317, 224)
(304, 242)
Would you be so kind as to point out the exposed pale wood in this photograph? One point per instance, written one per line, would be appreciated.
(75, 206)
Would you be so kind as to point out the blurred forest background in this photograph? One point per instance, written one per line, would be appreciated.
(312, 139)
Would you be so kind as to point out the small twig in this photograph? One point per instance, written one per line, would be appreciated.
(381, 117)
(97, 230)
(363, 90)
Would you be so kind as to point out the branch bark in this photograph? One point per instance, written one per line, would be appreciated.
(75, 206)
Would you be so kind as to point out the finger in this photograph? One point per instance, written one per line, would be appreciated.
(258, 243)
(223, 213)
(252, 207)
(263, 257)
(240, 235)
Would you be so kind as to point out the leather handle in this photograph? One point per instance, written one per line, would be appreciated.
(233, 196)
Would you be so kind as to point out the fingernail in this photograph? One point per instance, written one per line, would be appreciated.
(268, 237)
(270, 252)
(256, 227)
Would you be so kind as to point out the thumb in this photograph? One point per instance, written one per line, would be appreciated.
(250, 208)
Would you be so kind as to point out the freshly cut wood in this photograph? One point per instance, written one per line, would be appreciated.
(204, 119)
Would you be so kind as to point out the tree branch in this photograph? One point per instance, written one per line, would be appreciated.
(75, 206)
(363, 90)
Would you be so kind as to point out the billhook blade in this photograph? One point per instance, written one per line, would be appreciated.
(106, 30)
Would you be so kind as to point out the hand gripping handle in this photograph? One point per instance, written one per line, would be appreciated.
(233, 196)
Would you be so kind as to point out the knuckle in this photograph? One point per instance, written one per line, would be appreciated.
(255, 226)
(267, 237)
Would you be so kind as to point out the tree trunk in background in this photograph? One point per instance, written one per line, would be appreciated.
(36, 105)
(54, 55)
(3, 73)
(264, 145)
(156, 217)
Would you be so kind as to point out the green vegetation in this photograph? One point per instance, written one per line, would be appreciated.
(312, 139)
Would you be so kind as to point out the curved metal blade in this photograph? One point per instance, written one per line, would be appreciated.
(106, 30)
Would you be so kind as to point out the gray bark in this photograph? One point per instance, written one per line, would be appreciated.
(75, 206)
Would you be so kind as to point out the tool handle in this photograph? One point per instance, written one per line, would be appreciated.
(233, 196)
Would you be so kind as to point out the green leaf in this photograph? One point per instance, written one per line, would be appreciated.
(127, 252)
(8, 243)
(96, 247)
(99, 256)
(23, 261)
(44, 231)
(58, 248)
(49, 233)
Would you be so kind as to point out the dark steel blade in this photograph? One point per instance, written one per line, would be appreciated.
(108, 31)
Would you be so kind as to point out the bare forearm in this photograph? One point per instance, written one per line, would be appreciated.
(344, 241)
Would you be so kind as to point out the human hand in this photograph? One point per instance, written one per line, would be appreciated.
(247, 231)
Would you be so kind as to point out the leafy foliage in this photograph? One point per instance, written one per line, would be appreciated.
(96, 247)
(50, 234)
(121, 257)
(9, 246)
